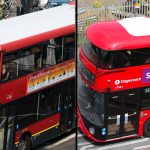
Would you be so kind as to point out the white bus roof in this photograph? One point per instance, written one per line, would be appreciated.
(37, 23)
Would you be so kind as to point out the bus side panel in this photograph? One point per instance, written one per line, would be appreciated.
(42, 130)
(45, 136)
(144, 116)
(13, 89)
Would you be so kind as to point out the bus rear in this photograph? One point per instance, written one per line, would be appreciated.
(114, 80)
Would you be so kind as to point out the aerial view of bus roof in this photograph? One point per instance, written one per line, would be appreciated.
(113, 75)
(37, 79)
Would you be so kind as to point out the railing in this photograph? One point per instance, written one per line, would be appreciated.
(89, 14)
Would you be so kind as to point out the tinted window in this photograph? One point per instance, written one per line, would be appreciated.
(145, 96)
(107, 59)
(91, 52)
(49, 102)
(27, 60)
(91, 103)
(31, 59)
(65, 48)
(27, 110)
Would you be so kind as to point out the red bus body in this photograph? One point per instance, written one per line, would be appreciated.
(25, 31)
(112, 37)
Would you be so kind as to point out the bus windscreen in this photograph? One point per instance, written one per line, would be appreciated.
(105, 59)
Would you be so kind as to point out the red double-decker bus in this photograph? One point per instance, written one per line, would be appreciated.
(114, 80)
(37, 79)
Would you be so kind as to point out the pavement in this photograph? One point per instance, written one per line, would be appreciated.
(61, 143)
(129, 144)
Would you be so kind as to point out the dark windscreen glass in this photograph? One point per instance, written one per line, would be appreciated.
(114, 59)
(140, 57)
(91, 103)
(91, 52)
(106, 59)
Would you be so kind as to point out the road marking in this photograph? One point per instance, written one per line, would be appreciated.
(141, 147)
(61, 141)
(85, 143)
(65, 139)
(113, 146)
(80, 135)
(124, 144)
(91, 147)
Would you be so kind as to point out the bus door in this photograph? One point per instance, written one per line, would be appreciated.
(71, 105)
(7, 133)
(67, 106)
(3, 129)
(130, 114)
(122, 117)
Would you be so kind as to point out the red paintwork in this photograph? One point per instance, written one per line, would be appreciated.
(17, 88)
(142, 120)
(86, 132)
(72, 3)
(39, 126)
(13, 90)
(86, 62)
(112, 36)
(1, 60)
(102, 76)
(83, 128)
(8, 47)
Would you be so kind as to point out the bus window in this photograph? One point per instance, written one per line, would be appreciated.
(69, 47)
(145, 95)
(5, 72)
(49, 57)
(91, 52)
(20, 62)
(91, 104)
(131, 99)
(106, 59)
(39, 56)
(27, 110)
(28, 60)
(115, 59)
(114, 109)
(65, 48)
(3, 117)
(59, 50)
(49, 100)
(140, 56)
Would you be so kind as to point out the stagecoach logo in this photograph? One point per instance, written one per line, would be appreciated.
(146, 75)
(117, 82)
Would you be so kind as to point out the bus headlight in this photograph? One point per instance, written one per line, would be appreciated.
(92, 130)
(43, 2)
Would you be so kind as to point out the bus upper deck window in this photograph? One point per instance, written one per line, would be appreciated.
(147, 61)
(120, 59)
(115, 59)
(5, 73)
(140, 56)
